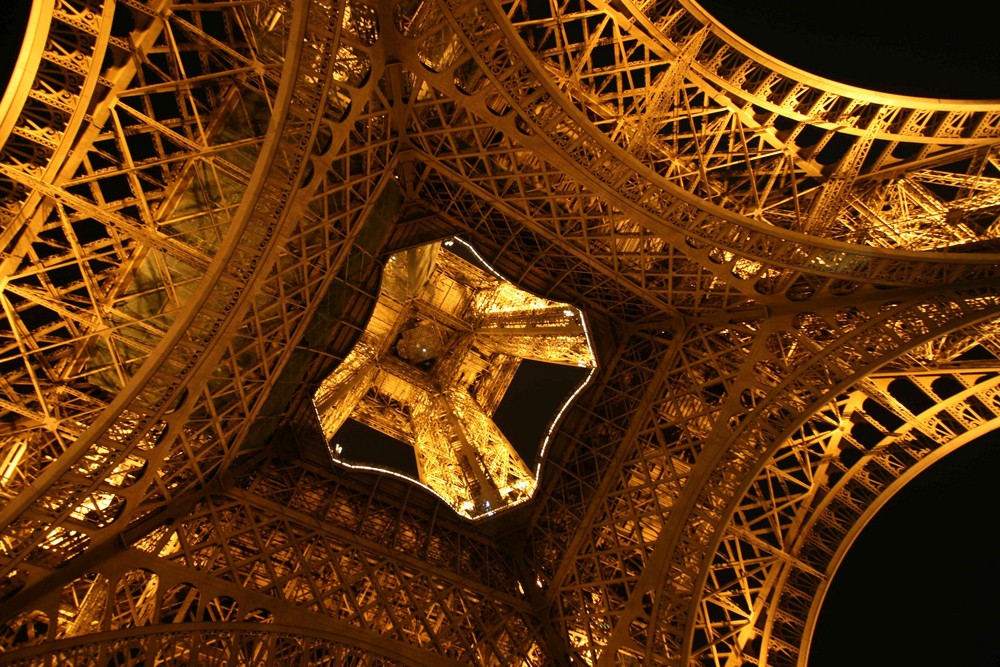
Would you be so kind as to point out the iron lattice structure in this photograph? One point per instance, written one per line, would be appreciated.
(440, 352)
(792, 284)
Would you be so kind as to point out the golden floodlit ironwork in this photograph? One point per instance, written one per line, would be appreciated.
(434, 362)
(792, 287)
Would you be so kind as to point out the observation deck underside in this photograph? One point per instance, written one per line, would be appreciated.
(792, 288)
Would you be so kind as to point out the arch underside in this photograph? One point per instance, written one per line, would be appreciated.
(792, 286)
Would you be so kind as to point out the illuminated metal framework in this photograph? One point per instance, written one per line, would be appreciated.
(433, 364)
(792, 287)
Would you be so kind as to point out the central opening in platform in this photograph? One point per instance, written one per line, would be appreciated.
(458, 380)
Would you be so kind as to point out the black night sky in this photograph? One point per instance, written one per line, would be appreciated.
(13, 17)
(920, 585)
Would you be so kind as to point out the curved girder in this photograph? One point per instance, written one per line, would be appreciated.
(370, 560)
(755, 239)
(173, 422)
(816, 493)
(485, 65)
(720, 402)
(211, 643)
(642, 89)
(131, 421)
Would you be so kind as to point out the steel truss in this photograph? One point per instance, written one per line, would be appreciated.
(792, 285)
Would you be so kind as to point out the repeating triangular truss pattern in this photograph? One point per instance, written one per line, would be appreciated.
(793, 288)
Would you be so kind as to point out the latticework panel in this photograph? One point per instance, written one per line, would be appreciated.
(792, 285)
(799, 515)
(211, 643)
(109, 245)
(171, 425)
(110, 248)
(363, 559)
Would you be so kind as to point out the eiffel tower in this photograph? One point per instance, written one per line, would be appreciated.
(790, 288)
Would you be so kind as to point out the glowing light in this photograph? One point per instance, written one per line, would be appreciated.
(11, 459)
(441, 348)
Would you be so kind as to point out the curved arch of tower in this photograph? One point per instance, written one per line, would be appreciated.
(792, 288)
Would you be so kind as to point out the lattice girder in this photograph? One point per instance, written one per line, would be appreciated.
(237, 387)
(98, 280)
(844, 468)
(694, 414)
(677, 92)
(309, 548)
(743, 255)
(197, 200)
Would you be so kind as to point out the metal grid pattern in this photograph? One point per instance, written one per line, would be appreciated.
(792, 285)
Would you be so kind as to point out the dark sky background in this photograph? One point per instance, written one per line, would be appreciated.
(13, 17)
(920, 586)
(949, 51)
